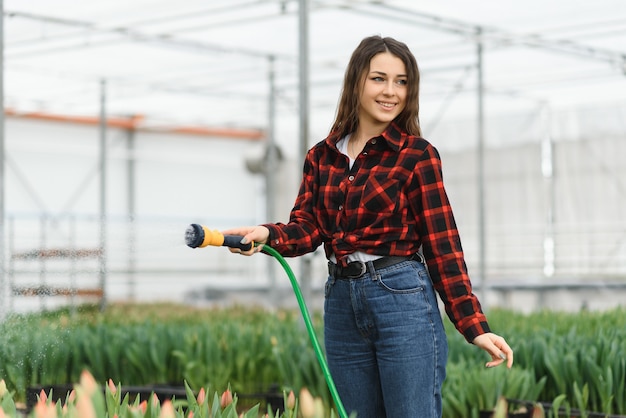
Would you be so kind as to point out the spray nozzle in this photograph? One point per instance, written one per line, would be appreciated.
(194, 236)
(200, 236)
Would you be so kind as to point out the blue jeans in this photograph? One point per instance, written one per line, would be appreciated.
(385, 343)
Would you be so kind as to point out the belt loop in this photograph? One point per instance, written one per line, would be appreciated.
(371, 270)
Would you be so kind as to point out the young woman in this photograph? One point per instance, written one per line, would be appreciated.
(372, 193)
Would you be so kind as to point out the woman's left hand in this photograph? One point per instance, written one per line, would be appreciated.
(497, 348)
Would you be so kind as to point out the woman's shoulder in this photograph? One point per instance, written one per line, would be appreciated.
(324, 145)
(401, 139)
(323, 152)
(419, 144)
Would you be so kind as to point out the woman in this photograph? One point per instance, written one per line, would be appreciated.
(372, 193)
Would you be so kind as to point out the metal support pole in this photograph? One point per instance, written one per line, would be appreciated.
(303, 45)
(303, 48)
(547, 171)
(43, 229)
(103, 183)
(480, 122)
(272, 152)
(4, 290)
(73, 263)
(132, 228)
(9, 270)
(270, 171)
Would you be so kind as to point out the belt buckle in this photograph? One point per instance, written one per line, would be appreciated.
(363, 270)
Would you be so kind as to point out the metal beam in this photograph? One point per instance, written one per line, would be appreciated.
(131, 196)
(102, 274)
(4, 289)
(164, 39)
(492, 34)
(303, 66)
(138, 123)
(480, 149)
(547, 172)
(271, 166)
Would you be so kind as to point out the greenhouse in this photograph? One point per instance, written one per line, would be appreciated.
(125, 122)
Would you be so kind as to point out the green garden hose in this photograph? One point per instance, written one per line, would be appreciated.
(309, 327)
(200, 236)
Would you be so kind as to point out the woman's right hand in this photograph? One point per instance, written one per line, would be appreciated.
(255, 234)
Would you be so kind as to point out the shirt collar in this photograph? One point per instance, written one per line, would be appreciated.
(394, 136)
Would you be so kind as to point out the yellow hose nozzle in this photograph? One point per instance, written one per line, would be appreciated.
(199, 236)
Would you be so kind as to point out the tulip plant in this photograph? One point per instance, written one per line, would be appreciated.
(567, 361)
(89, 400)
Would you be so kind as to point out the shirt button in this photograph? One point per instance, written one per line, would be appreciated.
(276, 241)
(340, 207)
(373, 141)
(351, 178)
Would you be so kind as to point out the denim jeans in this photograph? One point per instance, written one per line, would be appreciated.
(385, 343)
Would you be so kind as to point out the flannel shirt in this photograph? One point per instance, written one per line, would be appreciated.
(391, 203)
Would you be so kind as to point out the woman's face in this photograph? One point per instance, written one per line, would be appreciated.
(384, 92)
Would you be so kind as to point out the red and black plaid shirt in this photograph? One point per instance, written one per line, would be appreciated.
(392, 202)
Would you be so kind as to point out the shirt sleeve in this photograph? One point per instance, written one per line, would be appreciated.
(442, 247)
(301, 234)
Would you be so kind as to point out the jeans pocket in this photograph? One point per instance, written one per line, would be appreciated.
(403, 280)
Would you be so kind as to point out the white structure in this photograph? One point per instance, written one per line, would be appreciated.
(525, 103)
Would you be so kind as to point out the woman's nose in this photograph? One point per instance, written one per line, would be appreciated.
(390, 88)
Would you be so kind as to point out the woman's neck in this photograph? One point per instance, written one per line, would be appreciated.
(365, 133)
(359, 138)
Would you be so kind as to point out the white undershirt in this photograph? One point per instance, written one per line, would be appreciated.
(342, 146)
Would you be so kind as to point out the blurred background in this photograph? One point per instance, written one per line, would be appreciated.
(124, 122)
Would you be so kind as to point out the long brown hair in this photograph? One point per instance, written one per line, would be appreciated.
(347, 119)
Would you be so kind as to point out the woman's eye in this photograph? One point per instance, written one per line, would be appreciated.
(378, 79)
(402, 82)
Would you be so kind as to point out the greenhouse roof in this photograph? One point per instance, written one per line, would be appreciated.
(207, 63)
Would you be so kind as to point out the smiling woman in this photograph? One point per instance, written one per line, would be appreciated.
(372, 194)
(550, 77)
